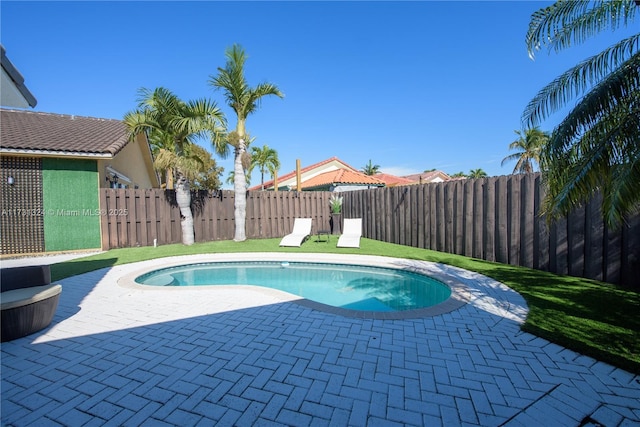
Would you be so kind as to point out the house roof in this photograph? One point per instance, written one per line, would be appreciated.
(311, 167)
(47, 134)
(341, 176)
(308, 170)
(9, 96)
(392, 180)
(426, 177)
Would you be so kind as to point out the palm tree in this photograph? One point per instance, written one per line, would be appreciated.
(477, 173)
(370, 168)
(247, 174)
(528, 146)
(265, 159)
(244, 100)
(164, 117)
(596, 146)
(459, 175)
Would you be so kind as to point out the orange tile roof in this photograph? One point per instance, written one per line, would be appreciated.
(282, 178)
(392, 180)
(342, 176)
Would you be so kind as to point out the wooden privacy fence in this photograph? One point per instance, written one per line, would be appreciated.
(498, 219)
(141, 217)
(495, 219)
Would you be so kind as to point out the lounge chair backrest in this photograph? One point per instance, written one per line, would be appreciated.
(353, 226)
(302, 226)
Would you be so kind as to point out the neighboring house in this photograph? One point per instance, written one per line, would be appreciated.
(52, 167)
(329, 175)
(428, 177)
(13, 92)
(392, 180)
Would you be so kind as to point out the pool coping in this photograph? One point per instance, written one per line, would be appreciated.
(460, 293)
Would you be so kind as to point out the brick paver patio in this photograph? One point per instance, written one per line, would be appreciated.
(122, 355)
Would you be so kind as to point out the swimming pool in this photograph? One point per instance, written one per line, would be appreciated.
(239, 295)
(353, 287)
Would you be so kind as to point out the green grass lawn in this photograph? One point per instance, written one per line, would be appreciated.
(590, 317)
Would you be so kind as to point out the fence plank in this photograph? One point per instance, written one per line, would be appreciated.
(561, 247)
(128, 215)
(448, 235)
(526, 220)
(501, 238)
(468, 218)
(401, 226)
(478, 219)
(140, 217)
(613, 255)
(593, 252)
(382, 216)
(489, 223)
(575, 242)
(513, 211)
(458, 214)
(412, 219)
(540, 229)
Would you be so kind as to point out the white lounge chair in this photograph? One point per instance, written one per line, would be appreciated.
(301, 230)
(351, 234)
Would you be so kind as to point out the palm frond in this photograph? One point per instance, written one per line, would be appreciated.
(599, 102)
(605, 157)
(165, 159)
(231, 78)
(622, 198)
(510, 158)
(578, 79)
(567, 23)
(528, 146)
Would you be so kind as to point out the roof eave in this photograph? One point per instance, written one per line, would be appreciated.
(50, 153)
(17, 78)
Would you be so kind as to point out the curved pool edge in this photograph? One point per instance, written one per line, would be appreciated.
(460, 293)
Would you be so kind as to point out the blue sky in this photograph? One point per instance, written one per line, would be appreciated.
(410, 85)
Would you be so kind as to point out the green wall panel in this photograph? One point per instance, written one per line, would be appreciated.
(71, 204)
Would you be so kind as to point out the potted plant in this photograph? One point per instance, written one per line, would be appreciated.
(335, 202)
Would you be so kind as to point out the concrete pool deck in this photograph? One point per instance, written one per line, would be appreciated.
(121, 355)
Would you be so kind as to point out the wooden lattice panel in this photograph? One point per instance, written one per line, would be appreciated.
(22, 222)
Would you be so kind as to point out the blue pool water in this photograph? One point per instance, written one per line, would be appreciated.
(348, 286)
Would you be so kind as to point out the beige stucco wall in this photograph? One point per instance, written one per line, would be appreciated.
(133, 161)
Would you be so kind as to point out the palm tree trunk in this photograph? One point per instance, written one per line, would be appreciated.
(183, 197)
(240, 190)
(169, 180)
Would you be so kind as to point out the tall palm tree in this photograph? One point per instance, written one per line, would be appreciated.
(597, 145)
(528, 146)
(163, 116)
(477, 173)
(265, 159)
(370, 168)
(244, 100)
